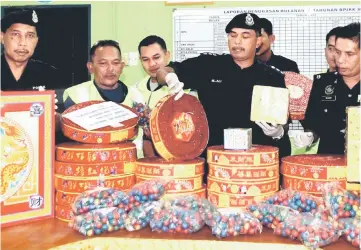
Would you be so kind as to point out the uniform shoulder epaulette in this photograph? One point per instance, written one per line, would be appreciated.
(325, 75)
(208, 54)
(272, 69)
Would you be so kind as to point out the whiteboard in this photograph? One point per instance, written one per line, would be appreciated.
(300, 31)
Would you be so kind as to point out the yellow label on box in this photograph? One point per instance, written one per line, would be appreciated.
(184, 171)
(129, 167)
(223, 200)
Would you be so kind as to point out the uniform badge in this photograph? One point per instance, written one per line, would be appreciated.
(318, 76)
(329, 90)
(35, 17)
(36, 110)
(249, 20)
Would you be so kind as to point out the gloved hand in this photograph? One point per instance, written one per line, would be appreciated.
(275, 131)
(174, 85)
(304, 139)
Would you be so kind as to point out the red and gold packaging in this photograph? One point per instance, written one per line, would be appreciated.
(94, 170)
(250, 188)
(256, 156)
(27, 125)
(63, 213)
(103, 135)
(158, 167)
(79, 185)
(64, 198)
(75, 152)
(179, 128)
(200, 193)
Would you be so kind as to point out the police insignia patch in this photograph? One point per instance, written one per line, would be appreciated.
(329, 90)
(249, 20)
(35, 17)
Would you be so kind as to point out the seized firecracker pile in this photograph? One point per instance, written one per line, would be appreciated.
(314, 221)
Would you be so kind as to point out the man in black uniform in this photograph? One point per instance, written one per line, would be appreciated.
(19, 72)
(330, 52)
(265, 54)
(331, 93)
(225, 84)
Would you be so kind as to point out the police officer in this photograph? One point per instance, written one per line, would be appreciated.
(18, 70)
(332, 92)
(19, 36)
(225, 84)
(265, 53)
(330, 52)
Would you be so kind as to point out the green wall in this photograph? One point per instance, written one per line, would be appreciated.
(129, 22)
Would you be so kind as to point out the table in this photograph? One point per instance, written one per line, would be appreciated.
(50, 233)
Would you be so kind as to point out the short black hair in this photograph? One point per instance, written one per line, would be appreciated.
(103, 43)
(350, 31)
(266, 25)
(149, 40)
(332, 33)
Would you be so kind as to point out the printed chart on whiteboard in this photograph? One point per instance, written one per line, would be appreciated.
(300, 31)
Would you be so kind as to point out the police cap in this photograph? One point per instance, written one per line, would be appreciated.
(245, 21)
(28, 17)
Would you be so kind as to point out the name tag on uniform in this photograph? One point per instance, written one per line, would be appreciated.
(330, 98)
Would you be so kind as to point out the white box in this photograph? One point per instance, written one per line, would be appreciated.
(238, 138)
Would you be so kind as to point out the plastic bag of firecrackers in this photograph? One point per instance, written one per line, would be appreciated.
(296, 200)
(143, 112)
(340, 202)
(99, 221)
(312, 232)
(146, 191)
(139, 217)
(193, 202)
(100, 198)
(271, 215)
(230, 222)
(351, 230)
(176, 220)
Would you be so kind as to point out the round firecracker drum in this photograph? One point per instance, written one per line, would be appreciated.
(109, 134)
(179, 129)
(300, 88)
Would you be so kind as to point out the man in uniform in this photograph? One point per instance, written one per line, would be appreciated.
(106, 64)
(19, 72)
(265, 53)
(225, 83)
(332, 92)
(330, 52)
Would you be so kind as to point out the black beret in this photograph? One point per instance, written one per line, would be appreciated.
(245, 21)
(28, 17)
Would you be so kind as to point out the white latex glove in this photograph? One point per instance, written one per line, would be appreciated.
(304, 139)
(174, 85)
(274, 130)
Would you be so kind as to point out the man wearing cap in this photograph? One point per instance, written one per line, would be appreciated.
(332, 92)
(225, 84)
(265, 54)
(19, 72)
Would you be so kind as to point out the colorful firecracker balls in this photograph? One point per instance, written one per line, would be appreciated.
(312, 232)
(340, 202)
(225, 223)
(139, 217)
(193, 202)
(143, 112)
(271, 215)
(176, 220)
(351, 229)
(99, 221)
(100, 198)
(150, 190)
(296, 200)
